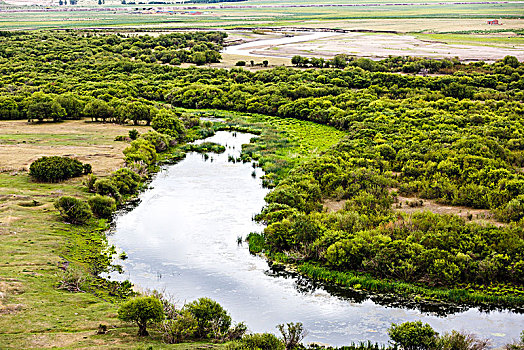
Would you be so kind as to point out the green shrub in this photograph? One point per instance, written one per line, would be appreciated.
(259, 341)
(413, 335)
(161, 142)
(140, 151)
(133, 134)
(56, 168)
(126, 181)
(179, 329)
(213, 320)
(143, 311)
(167, 122)
(102, 206)
(87, 168)
(461, 341)
(73, 210)
(106, 187)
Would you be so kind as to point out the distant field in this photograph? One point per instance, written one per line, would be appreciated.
(435, 29)
(404, 18)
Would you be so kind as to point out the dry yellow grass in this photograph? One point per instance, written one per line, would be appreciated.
(22, 143)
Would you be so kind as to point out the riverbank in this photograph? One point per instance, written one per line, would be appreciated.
(37, 246)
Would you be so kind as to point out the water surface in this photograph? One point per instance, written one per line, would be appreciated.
(182, 239)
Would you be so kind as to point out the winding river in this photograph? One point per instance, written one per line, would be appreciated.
(182, 239)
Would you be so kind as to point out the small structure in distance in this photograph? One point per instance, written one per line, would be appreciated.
(494, 22)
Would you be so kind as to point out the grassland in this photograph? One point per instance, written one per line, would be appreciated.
(22, 143)
(36, 244)
(432, 16)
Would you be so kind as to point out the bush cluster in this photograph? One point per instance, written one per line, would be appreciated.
(56, 168)
(73, 209)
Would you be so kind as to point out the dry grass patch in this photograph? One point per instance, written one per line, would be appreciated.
(479, 216)
(9, 287)
(22, 143)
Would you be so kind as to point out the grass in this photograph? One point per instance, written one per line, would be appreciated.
(22, 142)
(468, 296)
(35, 246)
(283, 142)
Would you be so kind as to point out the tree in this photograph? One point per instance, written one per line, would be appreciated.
(339, 61)
(511, 61)
(9, 109)
(199, 58)
(72, 106)
(137, 112)
(143, 311)
(413, 335)
(42, 106)
(213, 320)
(296, 60)
(292, 334)
(98, 109)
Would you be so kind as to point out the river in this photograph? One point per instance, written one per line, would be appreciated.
(259, 45)
(182, 239)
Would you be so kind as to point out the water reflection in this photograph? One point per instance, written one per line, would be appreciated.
(181, 237)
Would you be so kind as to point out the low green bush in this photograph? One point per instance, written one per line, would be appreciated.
(213, 320)
(413, 336)
(126, 181)
(258, 341)
(102, 206)
(73, 209)
(106, 187)
(461, 341)
(140, 150)
(179, 329)
(160, 141)
(133, 134)
(56, 168)
(169, 123)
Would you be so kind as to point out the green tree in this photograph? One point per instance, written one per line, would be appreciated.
(213, 320)
(72, 105)
(98, 110)
(143, 311)
(413, 335)
(42, 106)
(137, 112)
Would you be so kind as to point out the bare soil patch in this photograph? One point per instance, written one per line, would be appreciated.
(384, 44)
(480, 216)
